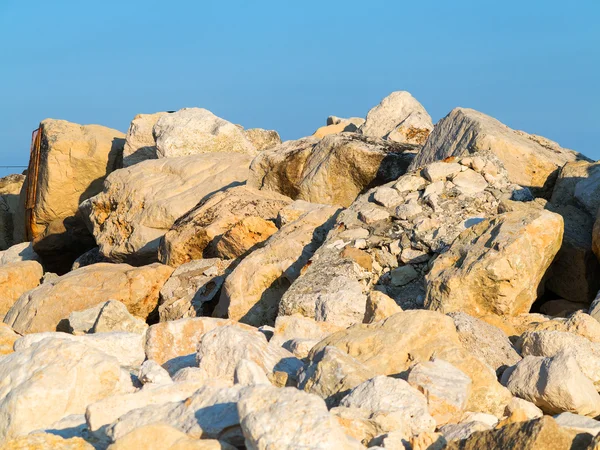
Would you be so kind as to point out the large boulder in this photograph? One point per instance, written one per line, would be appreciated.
(19, 252)
(273, 418)
(139, 204)
(16, 279)
(386, 239)
(400, 118)
(72, 163)
(531, 160)
(55, 377)
(554, 384)
(262, 139)
(392, 346)
(576, 197)
(192, 131)
(10, 188)
(139, 143)
(49, 305)
(496, 266)
(197, 233)
(306, 169)
(251, 293)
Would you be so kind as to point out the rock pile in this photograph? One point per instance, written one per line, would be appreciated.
(385, 283)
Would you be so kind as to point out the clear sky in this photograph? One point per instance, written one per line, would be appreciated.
(534, 65)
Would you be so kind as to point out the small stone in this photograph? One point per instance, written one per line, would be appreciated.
(580, 424)
(410, 183)
(372, 214)
(469, 182)
(387, 197)
(434, 188)
(441, 171)
(380, 306)
(408, 210)
(403, 275)
(152, 373)
(412, 256)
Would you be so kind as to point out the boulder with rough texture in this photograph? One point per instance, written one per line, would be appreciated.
(45, 307)
(16, 279)
(262, 139)
(191, 289)
(273, 418)
(210, 413)
(197, 233)
(139, 142)
(306, 169)
(55, 377)
(74, 161)
(445, 387)
(244, 237)
(531, 160)
(173, 344)
(10, 189)
(252, 292)
(7, 339)
(390, 347)
(153, 373)
(139, 204)
(379, 306)
(19, 252)
(299, 334)
(248, 373)
(486, 342)
(402, 403)
(220, 350)
(551, 343)
(577, 423)
(573, 274)
(192, 131)
(496, 266)
(536, 434)
(555, 384)
(164, 437)
(400, 118)
(105, 317)
(331, 374)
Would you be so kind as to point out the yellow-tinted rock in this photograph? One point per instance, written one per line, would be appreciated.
(16, 279)
(46, 441)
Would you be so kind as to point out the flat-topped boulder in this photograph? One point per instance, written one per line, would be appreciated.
(307, 169)
(531, 161)
(139, 204)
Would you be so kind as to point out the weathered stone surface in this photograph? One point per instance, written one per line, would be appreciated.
(139, 204)
(380, 306)
(461, 431)
(486, 342)
(361, 424)
(196, 234)
(108, 410)
(244, 237)
(192, 131)
(210, 413)
(331, 374)
(341, 127)
(173, 344)
(19, 252)
(252, 292)
(16, 279)
(551, 343)
(46, 441)
(291, 331)
(220, 350)
(542, 433)
(262, 139)
(139, 142)
(10, 189)
(7, 339)
(248, 373)
(43, 308)
(54, 376)
(306, 169)
(191, 289)
(288, 418)
(531, 161)
(153, 373)
(529, 410)
(385, 347)
(400, 118)
(402, 403)
(126, 348)
(573, 274)
(441, 171)
(74, 161)
(580, 323)
(445, 387)
(104, 317)
(164, 437)
(471, 278)
(554, 384)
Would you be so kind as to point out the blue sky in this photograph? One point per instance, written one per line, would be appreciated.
(282, 65)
